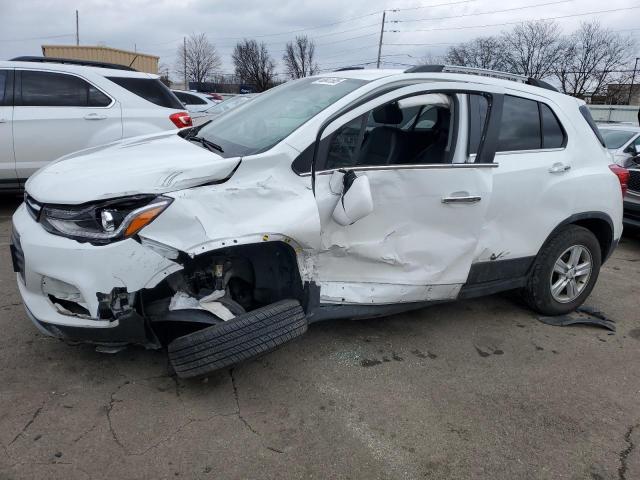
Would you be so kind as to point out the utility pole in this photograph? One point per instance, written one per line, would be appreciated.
(184, 52)
(633, 78)
(384, 14)
(77, 29)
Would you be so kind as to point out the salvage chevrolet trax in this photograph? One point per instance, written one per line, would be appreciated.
(354, 194)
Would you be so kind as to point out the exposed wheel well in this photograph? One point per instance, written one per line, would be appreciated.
(254, 275)
(598, 223)
(603, 232)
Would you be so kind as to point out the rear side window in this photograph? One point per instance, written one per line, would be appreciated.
(478, 106)
(151, 89)
(3, 86)
(586, 114)
(520, 125)
(189, 99)
(552, 132)
(49, 89)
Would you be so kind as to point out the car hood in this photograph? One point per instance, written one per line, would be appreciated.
(156, 163)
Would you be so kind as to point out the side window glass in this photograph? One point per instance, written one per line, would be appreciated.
(3, 86)
(552, 132)
(194, 100)
(48, 89)
(345, 143)
(478, 106)
(97, 98)
(520, 126)
(385, 136)
(181, 96)
(428, 119)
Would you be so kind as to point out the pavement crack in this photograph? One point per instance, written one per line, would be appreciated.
(238, 411)
(246, 423)
(27, 425)
(85, 433)
(176, 380)
(624, 454)
(109, 407)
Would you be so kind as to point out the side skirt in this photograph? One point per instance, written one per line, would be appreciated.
(487, 278)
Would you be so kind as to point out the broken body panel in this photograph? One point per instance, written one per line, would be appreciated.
(251, 222)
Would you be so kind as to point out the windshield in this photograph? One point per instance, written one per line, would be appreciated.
(614, 139)
(270, 117)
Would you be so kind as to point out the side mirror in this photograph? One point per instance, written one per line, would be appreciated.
(356, 201)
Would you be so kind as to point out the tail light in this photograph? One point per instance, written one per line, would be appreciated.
(623, 176)
(181, 119)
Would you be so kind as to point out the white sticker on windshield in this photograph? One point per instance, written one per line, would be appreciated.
(329, 81)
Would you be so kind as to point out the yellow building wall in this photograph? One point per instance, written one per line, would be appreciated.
(140, 61)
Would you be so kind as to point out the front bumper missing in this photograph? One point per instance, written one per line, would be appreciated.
(44, 263)
(128, 329)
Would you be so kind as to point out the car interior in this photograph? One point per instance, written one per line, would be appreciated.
(411, 131)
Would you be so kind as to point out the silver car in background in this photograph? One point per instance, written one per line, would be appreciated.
(623, 141)
(222, 107)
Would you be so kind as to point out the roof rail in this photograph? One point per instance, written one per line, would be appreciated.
(344, 69)
(70, 61)
(482, 72)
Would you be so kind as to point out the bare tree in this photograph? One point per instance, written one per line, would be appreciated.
(430, 59)
(593, 59)
(200, 58)
(253, 64)
(481, 52)
(534, 48)
(163, 71)
(299, 57)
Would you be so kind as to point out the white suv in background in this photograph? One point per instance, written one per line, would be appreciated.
(53, 107)
(352, 194)
(195, 101)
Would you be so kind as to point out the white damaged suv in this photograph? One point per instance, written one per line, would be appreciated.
(354, 194)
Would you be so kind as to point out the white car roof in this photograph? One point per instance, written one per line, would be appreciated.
(197, 94)
(375, 74)
(626, 128)
(366, 74)
(79, 69)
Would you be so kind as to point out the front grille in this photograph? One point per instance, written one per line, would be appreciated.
(33, 207)
(17, 255)
(634, 180)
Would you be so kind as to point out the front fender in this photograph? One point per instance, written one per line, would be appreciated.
(263, 201)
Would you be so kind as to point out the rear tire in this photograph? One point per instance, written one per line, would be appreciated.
(565, 272)
(245, 336)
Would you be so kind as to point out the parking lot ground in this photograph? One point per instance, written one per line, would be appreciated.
(467, 390)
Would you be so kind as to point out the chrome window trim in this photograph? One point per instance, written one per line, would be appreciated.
(535, 150)
(73, 74)
(426, 166)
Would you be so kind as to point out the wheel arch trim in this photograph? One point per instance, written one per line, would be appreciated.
(593, 221)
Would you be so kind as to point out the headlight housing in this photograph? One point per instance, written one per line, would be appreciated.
(103, 222)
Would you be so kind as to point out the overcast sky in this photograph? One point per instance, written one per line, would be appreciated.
(157, 26)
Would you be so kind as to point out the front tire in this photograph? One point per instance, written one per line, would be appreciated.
(564, 272)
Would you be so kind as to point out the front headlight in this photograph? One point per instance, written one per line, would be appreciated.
(104, 222)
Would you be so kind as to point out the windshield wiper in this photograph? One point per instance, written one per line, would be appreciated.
(206, 143)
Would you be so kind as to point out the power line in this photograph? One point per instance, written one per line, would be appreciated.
(38, 38)
(448, 4)
(519, 21)
(482, 13)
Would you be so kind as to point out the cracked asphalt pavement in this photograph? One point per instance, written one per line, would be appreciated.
(474, 389)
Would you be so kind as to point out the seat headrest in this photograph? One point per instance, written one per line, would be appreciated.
(389, 114)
